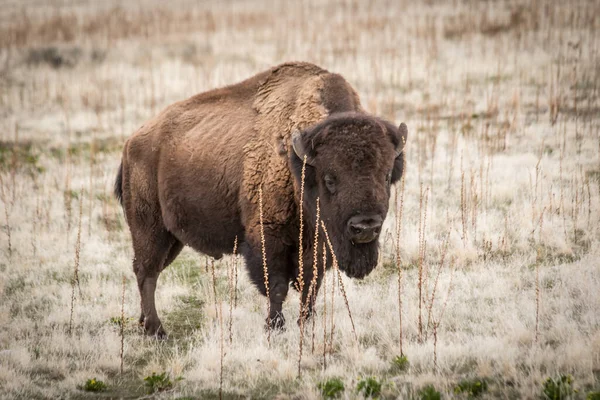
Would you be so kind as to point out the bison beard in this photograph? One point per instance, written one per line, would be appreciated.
(191, 176)
(356, 260)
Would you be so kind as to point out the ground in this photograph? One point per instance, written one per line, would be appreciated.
(498, 245)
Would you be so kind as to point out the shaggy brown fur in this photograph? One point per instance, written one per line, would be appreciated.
(191, 176)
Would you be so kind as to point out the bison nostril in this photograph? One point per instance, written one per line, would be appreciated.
(364, 228)
(355, 230)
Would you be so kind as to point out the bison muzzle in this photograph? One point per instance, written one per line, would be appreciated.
(192, 176)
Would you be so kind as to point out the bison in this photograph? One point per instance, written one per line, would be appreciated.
(192, 175)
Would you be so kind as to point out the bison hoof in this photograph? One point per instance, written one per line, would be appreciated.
(155, 329)
(307, 315)
(275, 322)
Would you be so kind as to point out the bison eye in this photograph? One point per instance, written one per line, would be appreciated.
(330, 183)
(388, 178)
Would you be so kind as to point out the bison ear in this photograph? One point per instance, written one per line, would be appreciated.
(299, 149)
(398, 169)
(403, 131)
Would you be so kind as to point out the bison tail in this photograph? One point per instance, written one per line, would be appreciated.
(119, 184)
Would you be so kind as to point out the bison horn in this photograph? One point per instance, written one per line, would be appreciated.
(299, 147)
(403, 130)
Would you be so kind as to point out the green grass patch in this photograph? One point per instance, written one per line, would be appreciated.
(186, 318)
(593, 396)
(94, 385)
(399, 364)
(22, 157)
(331, 388)
(159, 382)
(369, 387)
(471, 387)
(429, 393)
(558, 388)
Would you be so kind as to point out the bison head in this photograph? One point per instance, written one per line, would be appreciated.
(351, 161)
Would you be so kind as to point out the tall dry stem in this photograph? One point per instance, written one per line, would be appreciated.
(435, 326)
(562, 202)
(399, 213)
(312, 291)
(474, 202)
(67, 191)
(537, 278)
(332, 314)
(436, 322)
(235, 272)
(589, 196)
(9, 243)
(437, 277)
(264, 258)
(75, 280)
(420, 267)
(214, 285)
(324, 307)
(14, 164)
(122, 330)
(222, 350)
(92, 170)
(232, 288)
(301, 312)
(34, 229)
(463, 207)
(422, 248)
(575, 207)
(339, 276)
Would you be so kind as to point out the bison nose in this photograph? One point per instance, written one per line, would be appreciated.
(364, 228)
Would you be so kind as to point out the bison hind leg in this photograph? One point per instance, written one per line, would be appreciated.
(174, 251)
(154, 249)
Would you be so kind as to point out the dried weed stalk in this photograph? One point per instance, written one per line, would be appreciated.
(232, 287)
(422, 247)
(122, 327)
(436, 322)
(75, 280)
(437, 277)
(235, 272)
(301, 312)
(537, 277)
(463, 207)
(214, 285)
(222, 349)
(312, 290)
(340, 282)
(399, 213)
(264, 257)
(324, 307)
(6, 216)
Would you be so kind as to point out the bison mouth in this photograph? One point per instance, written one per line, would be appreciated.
(364, 238)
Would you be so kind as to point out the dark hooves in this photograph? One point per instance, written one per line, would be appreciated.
(155, 330)
(275, 322)
(307, 316)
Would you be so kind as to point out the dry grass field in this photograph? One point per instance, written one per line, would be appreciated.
(496, 232)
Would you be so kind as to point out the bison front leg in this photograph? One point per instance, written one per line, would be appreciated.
(278, 292)
(278, 273)
(311, 287)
